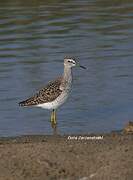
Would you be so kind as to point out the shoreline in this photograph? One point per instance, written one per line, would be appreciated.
(42, 138)
(67, 157)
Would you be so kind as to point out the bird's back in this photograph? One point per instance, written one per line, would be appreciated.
(47, 94)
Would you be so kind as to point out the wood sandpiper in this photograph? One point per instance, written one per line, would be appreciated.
(55, 93)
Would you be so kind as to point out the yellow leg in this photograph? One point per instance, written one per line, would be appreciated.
(53, 119)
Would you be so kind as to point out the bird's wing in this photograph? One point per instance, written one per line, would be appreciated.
(47, 94)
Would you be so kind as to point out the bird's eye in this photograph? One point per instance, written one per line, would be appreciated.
(70, 61)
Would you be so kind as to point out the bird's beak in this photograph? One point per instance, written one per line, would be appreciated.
(81, 66)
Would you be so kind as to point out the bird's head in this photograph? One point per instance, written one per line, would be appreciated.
(70, 62)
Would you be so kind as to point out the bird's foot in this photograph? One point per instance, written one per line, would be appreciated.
(53, 123)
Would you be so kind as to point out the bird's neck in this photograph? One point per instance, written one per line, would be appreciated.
(67, 79)
(67, 76)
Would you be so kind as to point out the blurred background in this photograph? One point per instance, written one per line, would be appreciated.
(36, 35)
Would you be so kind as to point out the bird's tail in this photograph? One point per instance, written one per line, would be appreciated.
(28, 102)
(22, 103)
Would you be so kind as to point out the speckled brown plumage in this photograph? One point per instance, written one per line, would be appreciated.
(48, 94)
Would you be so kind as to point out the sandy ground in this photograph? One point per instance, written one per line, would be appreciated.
(63, 158)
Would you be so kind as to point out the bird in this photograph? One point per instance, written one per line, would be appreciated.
(55, 93)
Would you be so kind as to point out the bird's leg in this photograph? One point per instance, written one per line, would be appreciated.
(53, 119)
(52, 116)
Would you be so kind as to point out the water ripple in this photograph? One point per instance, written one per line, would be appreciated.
(34, 38)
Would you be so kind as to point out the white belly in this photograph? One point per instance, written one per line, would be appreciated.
(56, 103)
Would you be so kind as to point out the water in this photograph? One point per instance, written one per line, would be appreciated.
(34, 38)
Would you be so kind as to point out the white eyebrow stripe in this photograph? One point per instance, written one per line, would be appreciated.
(71, 61)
